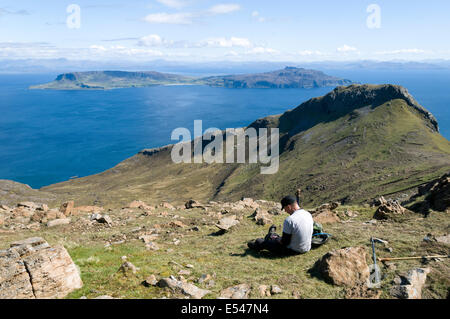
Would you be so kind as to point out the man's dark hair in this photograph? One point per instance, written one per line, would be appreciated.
(288, 200)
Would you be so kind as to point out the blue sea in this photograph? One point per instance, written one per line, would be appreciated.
(50, 136)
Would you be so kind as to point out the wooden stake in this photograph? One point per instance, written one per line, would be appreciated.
(419, 257)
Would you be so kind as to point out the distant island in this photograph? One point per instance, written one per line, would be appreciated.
(289, 77)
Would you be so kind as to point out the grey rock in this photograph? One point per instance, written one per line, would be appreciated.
(32, 269)
(275, 289)
(58, 222)
(410, 286)
(236, 292)
(183, 287)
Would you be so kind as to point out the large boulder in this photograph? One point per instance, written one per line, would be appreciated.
(410, 286)
(438, 193)
(32, 269)
(387, 209)
(344, 267)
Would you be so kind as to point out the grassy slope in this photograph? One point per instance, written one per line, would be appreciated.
(226, 255)
(385, 151)
(381, 151)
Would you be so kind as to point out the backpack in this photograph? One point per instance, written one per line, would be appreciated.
(319, 237)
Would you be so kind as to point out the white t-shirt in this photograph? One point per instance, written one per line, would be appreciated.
(300, 226)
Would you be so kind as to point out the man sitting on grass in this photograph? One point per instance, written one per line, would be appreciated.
(297, 232)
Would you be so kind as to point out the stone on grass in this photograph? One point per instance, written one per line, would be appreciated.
(183, 287)
(227, 222)
(387, 209)
(58, 222)
(127, 267)
(236, 292)
(410, 286)
(264, 291)
(344, 267)
(150, 281)
(32, 269)
(275, 290)
(67, 208)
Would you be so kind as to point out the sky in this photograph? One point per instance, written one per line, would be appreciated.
(248, 30)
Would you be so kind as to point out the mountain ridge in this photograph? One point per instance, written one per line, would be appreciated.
(386, 144)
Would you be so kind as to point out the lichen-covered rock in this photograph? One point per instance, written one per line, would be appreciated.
(227, 222)
(67, 208)
(58, 222)
(261, 217)
(32, 269)
(388, 208)
(183, 287)
(236, 292)
(410, 286)
(344, 267)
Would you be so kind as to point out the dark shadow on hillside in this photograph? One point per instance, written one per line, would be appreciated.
(220, 232)
(315, 271)
(261, 254)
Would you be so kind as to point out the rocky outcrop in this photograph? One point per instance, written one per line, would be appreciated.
(32, 269)
(387, 209)
(438, 193)
(344, 267)
(325, 213)
(67, 208)
(261, 217)
(410, 286)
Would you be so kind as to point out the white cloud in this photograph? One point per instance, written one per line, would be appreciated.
(402, 51)
(170, 18)
(154, 40)
(98, 47)
(227, 43)
(176, 4)
(346, 48)
(189, 17)
(262, 50)
(309, 53)
(223, 8)
(256, 15)
(22, 12)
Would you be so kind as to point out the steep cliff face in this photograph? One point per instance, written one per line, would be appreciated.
(350, 145)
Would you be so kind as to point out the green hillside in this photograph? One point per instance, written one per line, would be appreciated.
(351, 145)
